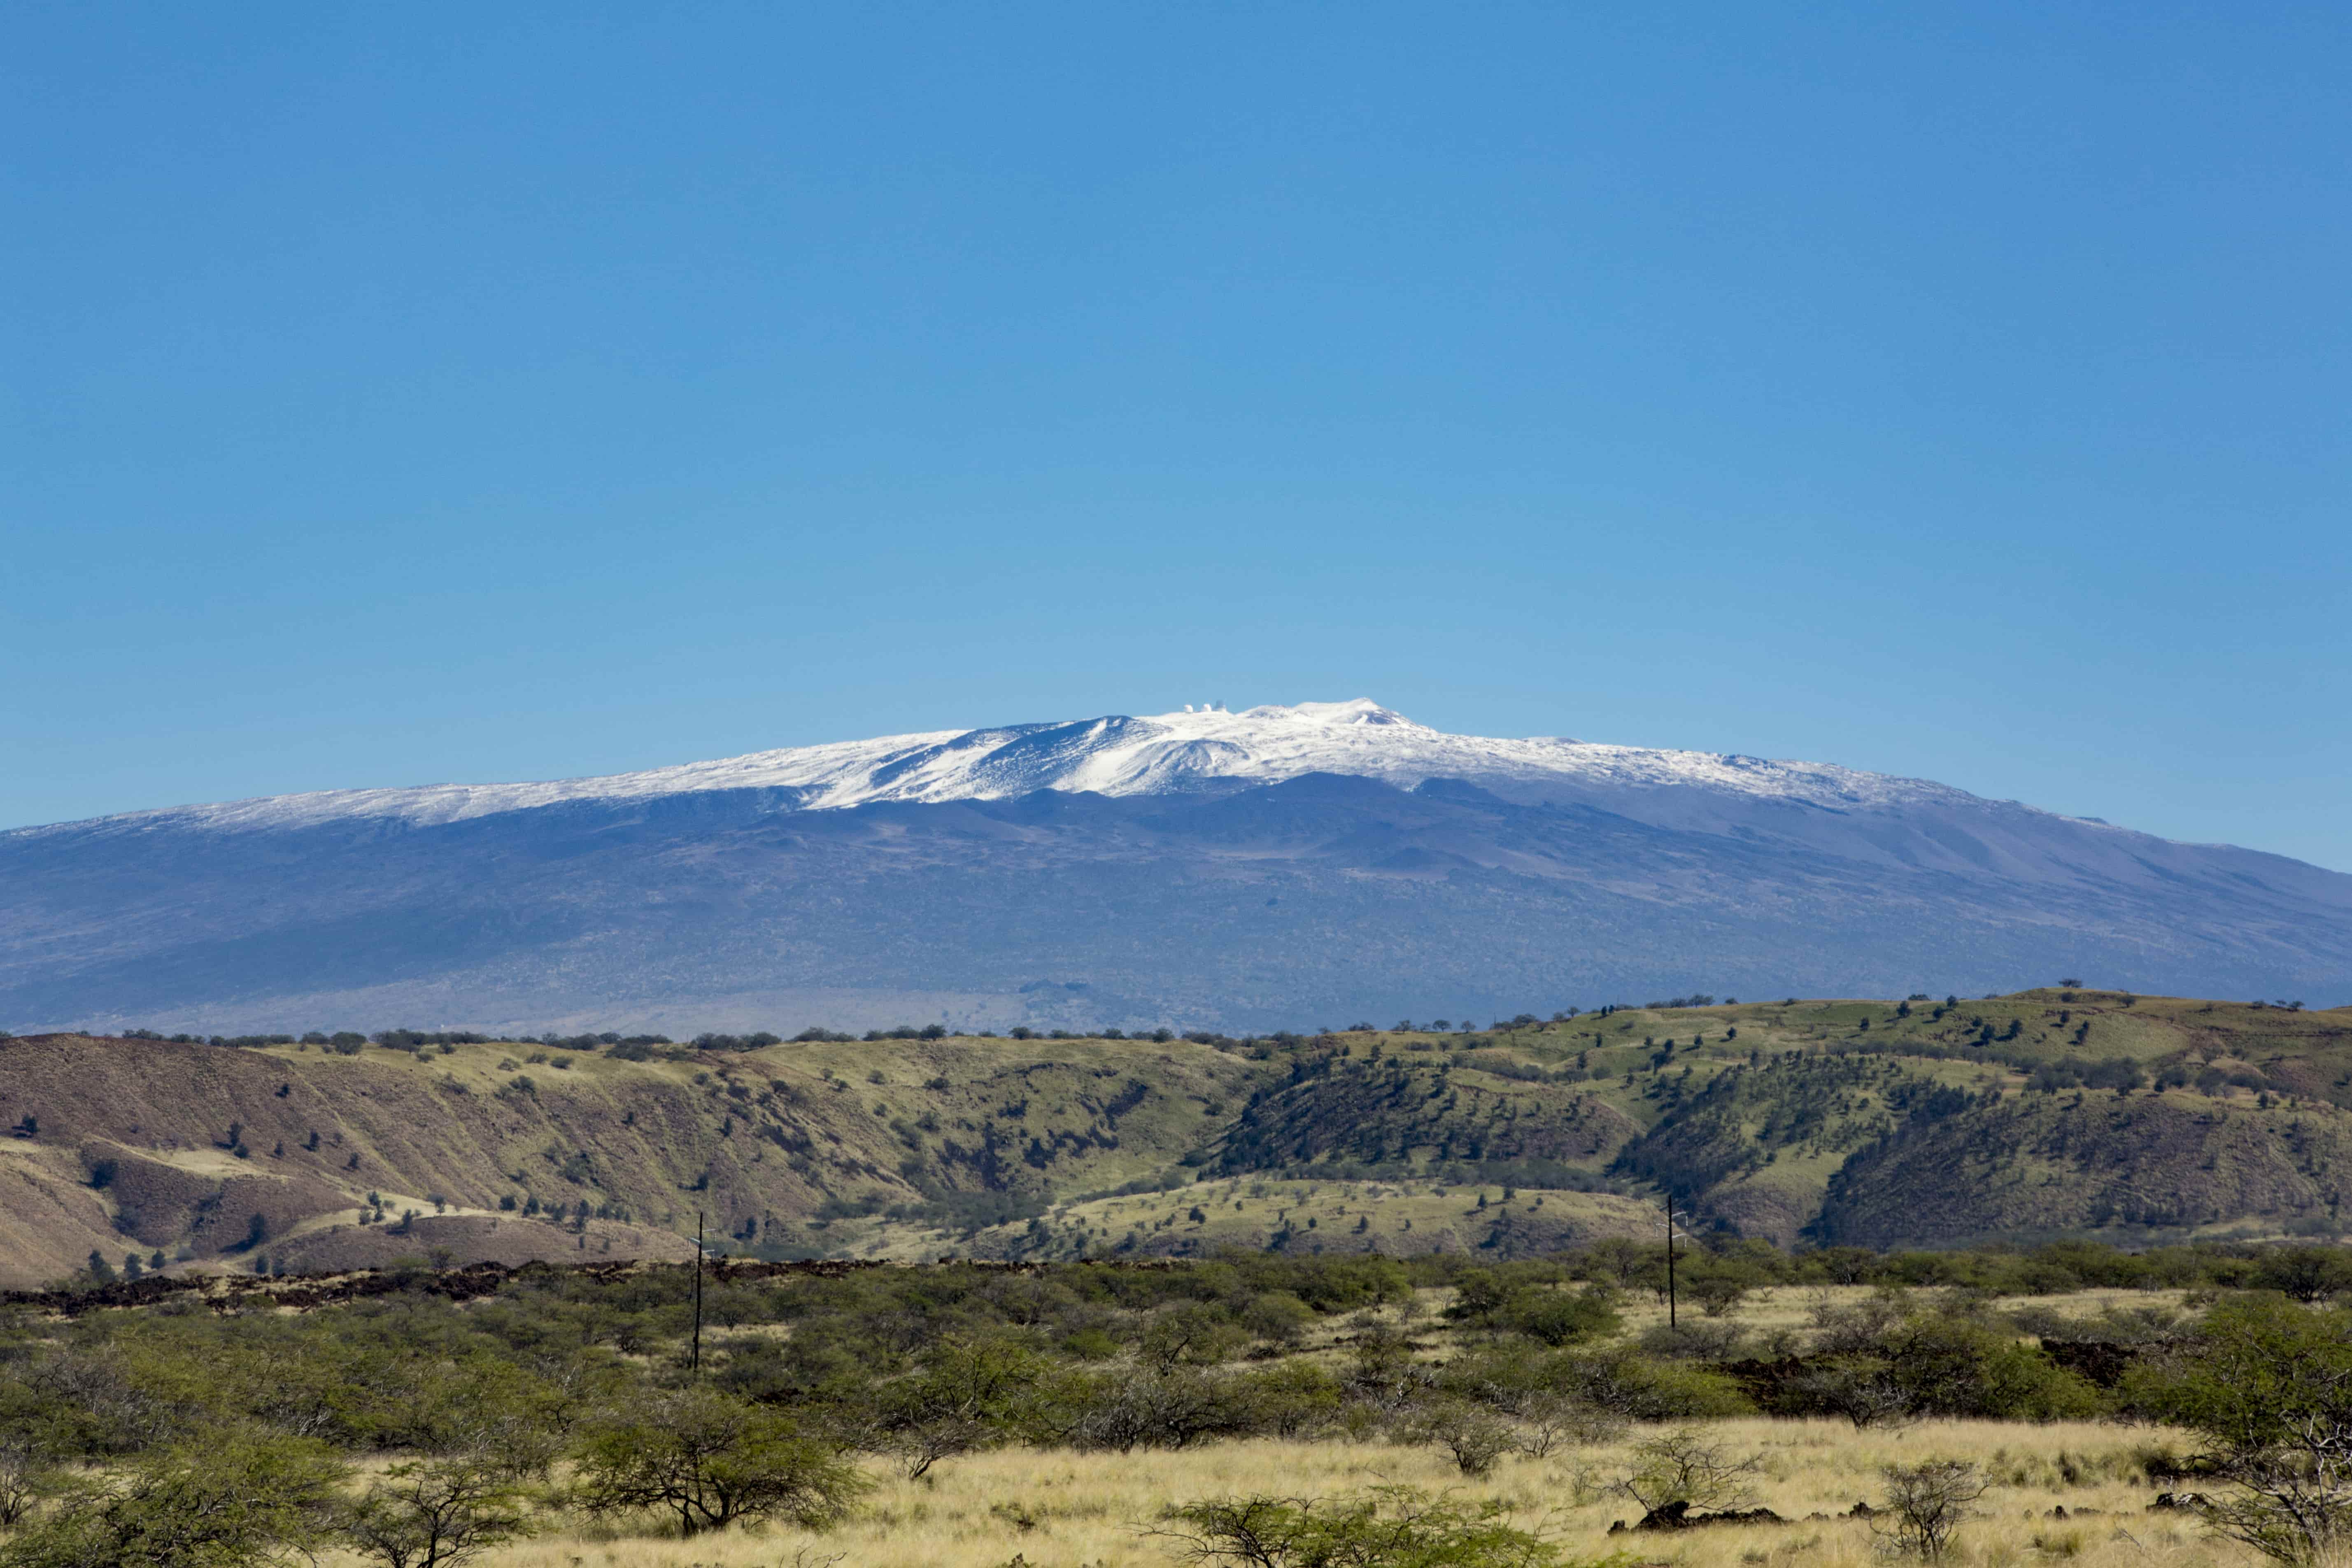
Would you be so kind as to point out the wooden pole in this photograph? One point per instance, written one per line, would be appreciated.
(1670, 1260)
(696, 1362)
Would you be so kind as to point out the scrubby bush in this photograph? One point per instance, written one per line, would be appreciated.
(438, 1514)
(2305, 1273)
(1472, 1434)
(1925, 1504)
(2268, 1385)
(1121, 1412)
(1886, 1359)
(1635, 1388)
(1534, 1390)
(1685, 1468)
(1292, 1398)
(27, 1474)
(971, 1392)
(223, 1503)
(711, 1460)
(1491, 1299)
(1390, 1527)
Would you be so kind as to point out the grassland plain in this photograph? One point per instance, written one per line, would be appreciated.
(1919, 1122)
(387, 1375)
(1050, 1509)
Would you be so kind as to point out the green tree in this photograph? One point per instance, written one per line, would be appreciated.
(1277, 1317)
(713, 1460)
(2305, 1273)
(1293, 1397)
(27, 1474)
(1484, 1301)
(970, 1393)
(1191, 1335)
(232, 1501)
(438, 1514)
(1471, 1433)
(2268, 1385)
(1390, 1527)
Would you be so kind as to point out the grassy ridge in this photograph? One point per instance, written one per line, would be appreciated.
(1926, 1121)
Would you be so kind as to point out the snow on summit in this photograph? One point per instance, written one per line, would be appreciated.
(1118, 756)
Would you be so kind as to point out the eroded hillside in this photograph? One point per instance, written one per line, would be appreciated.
(205, 1153)
(1925, 1121)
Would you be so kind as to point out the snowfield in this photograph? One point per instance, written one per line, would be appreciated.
(1244, 871)
(1118, 756)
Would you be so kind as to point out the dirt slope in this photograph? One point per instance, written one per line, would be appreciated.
(1891, 1122)
(205, 1153)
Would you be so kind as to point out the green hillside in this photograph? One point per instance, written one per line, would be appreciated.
(1930, 1121)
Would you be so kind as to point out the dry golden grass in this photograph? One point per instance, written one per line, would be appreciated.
(1055, 1510)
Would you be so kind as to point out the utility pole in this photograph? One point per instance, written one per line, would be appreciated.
(1670, 1264)
(696, 1362)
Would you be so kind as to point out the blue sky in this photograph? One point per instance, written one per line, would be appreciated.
(396, 394)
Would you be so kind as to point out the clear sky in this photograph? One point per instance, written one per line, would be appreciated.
(417, 393)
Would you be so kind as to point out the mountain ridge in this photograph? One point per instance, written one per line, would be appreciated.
(1115, 754)
(1880, 1123)
(1443, 875)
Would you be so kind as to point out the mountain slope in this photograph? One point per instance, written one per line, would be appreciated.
(1274, 867)
(1885, 1124)
(1118, 756)
(212, 1152)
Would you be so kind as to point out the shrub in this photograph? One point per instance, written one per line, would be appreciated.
(1193, 1334)
(1927, 1502)
(230, 1502)
(1528, 1387)
(1882, 1361)
(27, 1474)
(1703, 1340)
(437, 1514)
(1862, 1389)
(2268, 1385)
(1483, 1299)
(1638, 1389)
(970, 1395)
(713, 1460)
(1277, 1316)
(1473, 1434)
(2305, 1273)
(1292, 1398)
(1560, 1317)
(1121, 1412)
(1390, 1527)
(1684, 1467)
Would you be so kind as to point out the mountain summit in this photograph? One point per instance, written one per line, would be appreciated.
(1252, 869)
(1119, 754)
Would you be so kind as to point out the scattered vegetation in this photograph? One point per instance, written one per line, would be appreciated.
(1372, 1296)
(437, 1417)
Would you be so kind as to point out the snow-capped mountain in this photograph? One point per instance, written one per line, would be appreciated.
(1276, 866)
(1118, 755)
